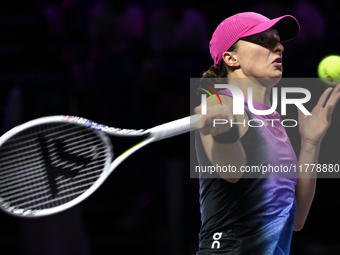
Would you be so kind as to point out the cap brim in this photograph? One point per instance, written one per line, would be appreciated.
(287, 26)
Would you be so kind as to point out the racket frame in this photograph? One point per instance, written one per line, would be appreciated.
(153, 134)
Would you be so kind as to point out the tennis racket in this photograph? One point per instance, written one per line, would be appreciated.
(50, 164)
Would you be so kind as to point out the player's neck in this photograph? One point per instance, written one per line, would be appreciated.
(260, 93)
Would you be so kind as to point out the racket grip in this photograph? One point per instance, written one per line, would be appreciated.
(175, 127)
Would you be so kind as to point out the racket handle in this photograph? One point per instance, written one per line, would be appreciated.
(175, 127)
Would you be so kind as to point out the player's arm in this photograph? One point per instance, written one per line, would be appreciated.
(306, 183)
(312, 129)
(231, 154)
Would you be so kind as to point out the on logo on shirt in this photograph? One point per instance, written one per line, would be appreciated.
(217, 236)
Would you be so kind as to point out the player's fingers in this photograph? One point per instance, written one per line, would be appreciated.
(333, 99)
(329, 108)
(216, 114)
(197, 110)
(323, 98)
(201, 123)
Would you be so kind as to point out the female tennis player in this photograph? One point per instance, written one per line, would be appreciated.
(241, 213)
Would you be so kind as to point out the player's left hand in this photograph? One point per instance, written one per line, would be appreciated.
(313, 127)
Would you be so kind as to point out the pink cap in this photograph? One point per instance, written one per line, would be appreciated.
(248, 23)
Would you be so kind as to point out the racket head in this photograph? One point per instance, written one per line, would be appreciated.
(51, 164)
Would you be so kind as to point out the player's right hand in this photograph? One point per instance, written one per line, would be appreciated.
(207, 124)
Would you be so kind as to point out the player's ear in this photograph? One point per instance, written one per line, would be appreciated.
(230, 58)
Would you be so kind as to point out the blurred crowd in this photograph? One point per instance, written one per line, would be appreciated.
(128, 64)
(133, 59)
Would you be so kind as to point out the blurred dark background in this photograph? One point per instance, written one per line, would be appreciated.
(128, 64)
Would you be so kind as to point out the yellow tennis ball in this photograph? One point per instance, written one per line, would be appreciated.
(329, 69)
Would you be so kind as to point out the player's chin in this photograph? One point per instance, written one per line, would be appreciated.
(272, 80)
(277, 74)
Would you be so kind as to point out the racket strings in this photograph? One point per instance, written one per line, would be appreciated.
(49, 165)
